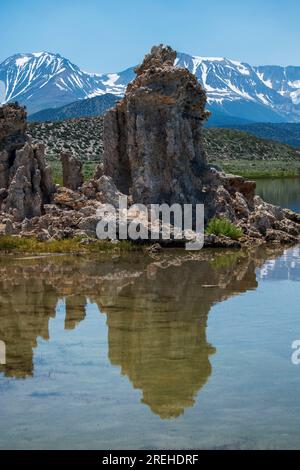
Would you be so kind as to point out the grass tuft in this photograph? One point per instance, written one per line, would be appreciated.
(222, 226)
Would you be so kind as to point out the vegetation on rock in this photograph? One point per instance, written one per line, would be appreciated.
(221, 226)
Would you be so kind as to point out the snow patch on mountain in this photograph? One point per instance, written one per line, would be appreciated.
(22, 61)
(295, 95)
(268, 83)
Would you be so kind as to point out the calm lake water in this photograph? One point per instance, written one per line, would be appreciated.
(283, 192)
(178, 350)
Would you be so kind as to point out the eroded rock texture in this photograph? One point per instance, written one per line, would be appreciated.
(153, 145)
(152, 138)
(25, 179)
(72, 171)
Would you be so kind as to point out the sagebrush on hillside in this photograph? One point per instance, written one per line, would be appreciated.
(84, 139)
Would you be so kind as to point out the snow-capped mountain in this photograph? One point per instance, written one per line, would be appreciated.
(264, 93)
(284, 80)
(239, 89)
(43, 80)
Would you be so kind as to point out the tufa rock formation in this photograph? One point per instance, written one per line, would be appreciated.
(13, 126)
(152, 138)
(25, 180)
(153, 150)
(72, 171)
(153, 145)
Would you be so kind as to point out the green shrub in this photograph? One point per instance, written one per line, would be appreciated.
(222, 226)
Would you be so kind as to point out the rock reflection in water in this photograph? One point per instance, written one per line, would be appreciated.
(157, 310)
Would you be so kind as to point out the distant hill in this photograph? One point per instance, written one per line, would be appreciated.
(231, 144)
(89, 107)
(221, 119)
(286, 133)
(83, 137)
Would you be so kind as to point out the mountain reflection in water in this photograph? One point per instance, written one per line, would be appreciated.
(156, 308)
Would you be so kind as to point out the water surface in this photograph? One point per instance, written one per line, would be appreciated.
(139, 352)
(171, 351)
(283, 192)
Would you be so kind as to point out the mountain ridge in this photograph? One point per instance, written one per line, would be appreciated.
(89, 107)
(42, 80)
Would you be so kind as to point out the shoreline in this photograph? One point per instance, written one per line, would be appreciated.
(25, 246)
(260, 169)
(240, 167)
(14, 244)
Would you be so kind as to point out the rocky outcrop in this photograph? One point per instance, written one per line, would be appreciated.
(12, 125)
(153, 150)
(72, 171)
(153, 146)
(25, 179)
(153, 154)
(152, 138)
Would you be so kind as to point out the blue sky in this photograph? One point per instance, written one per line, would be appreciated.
(110, 35)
